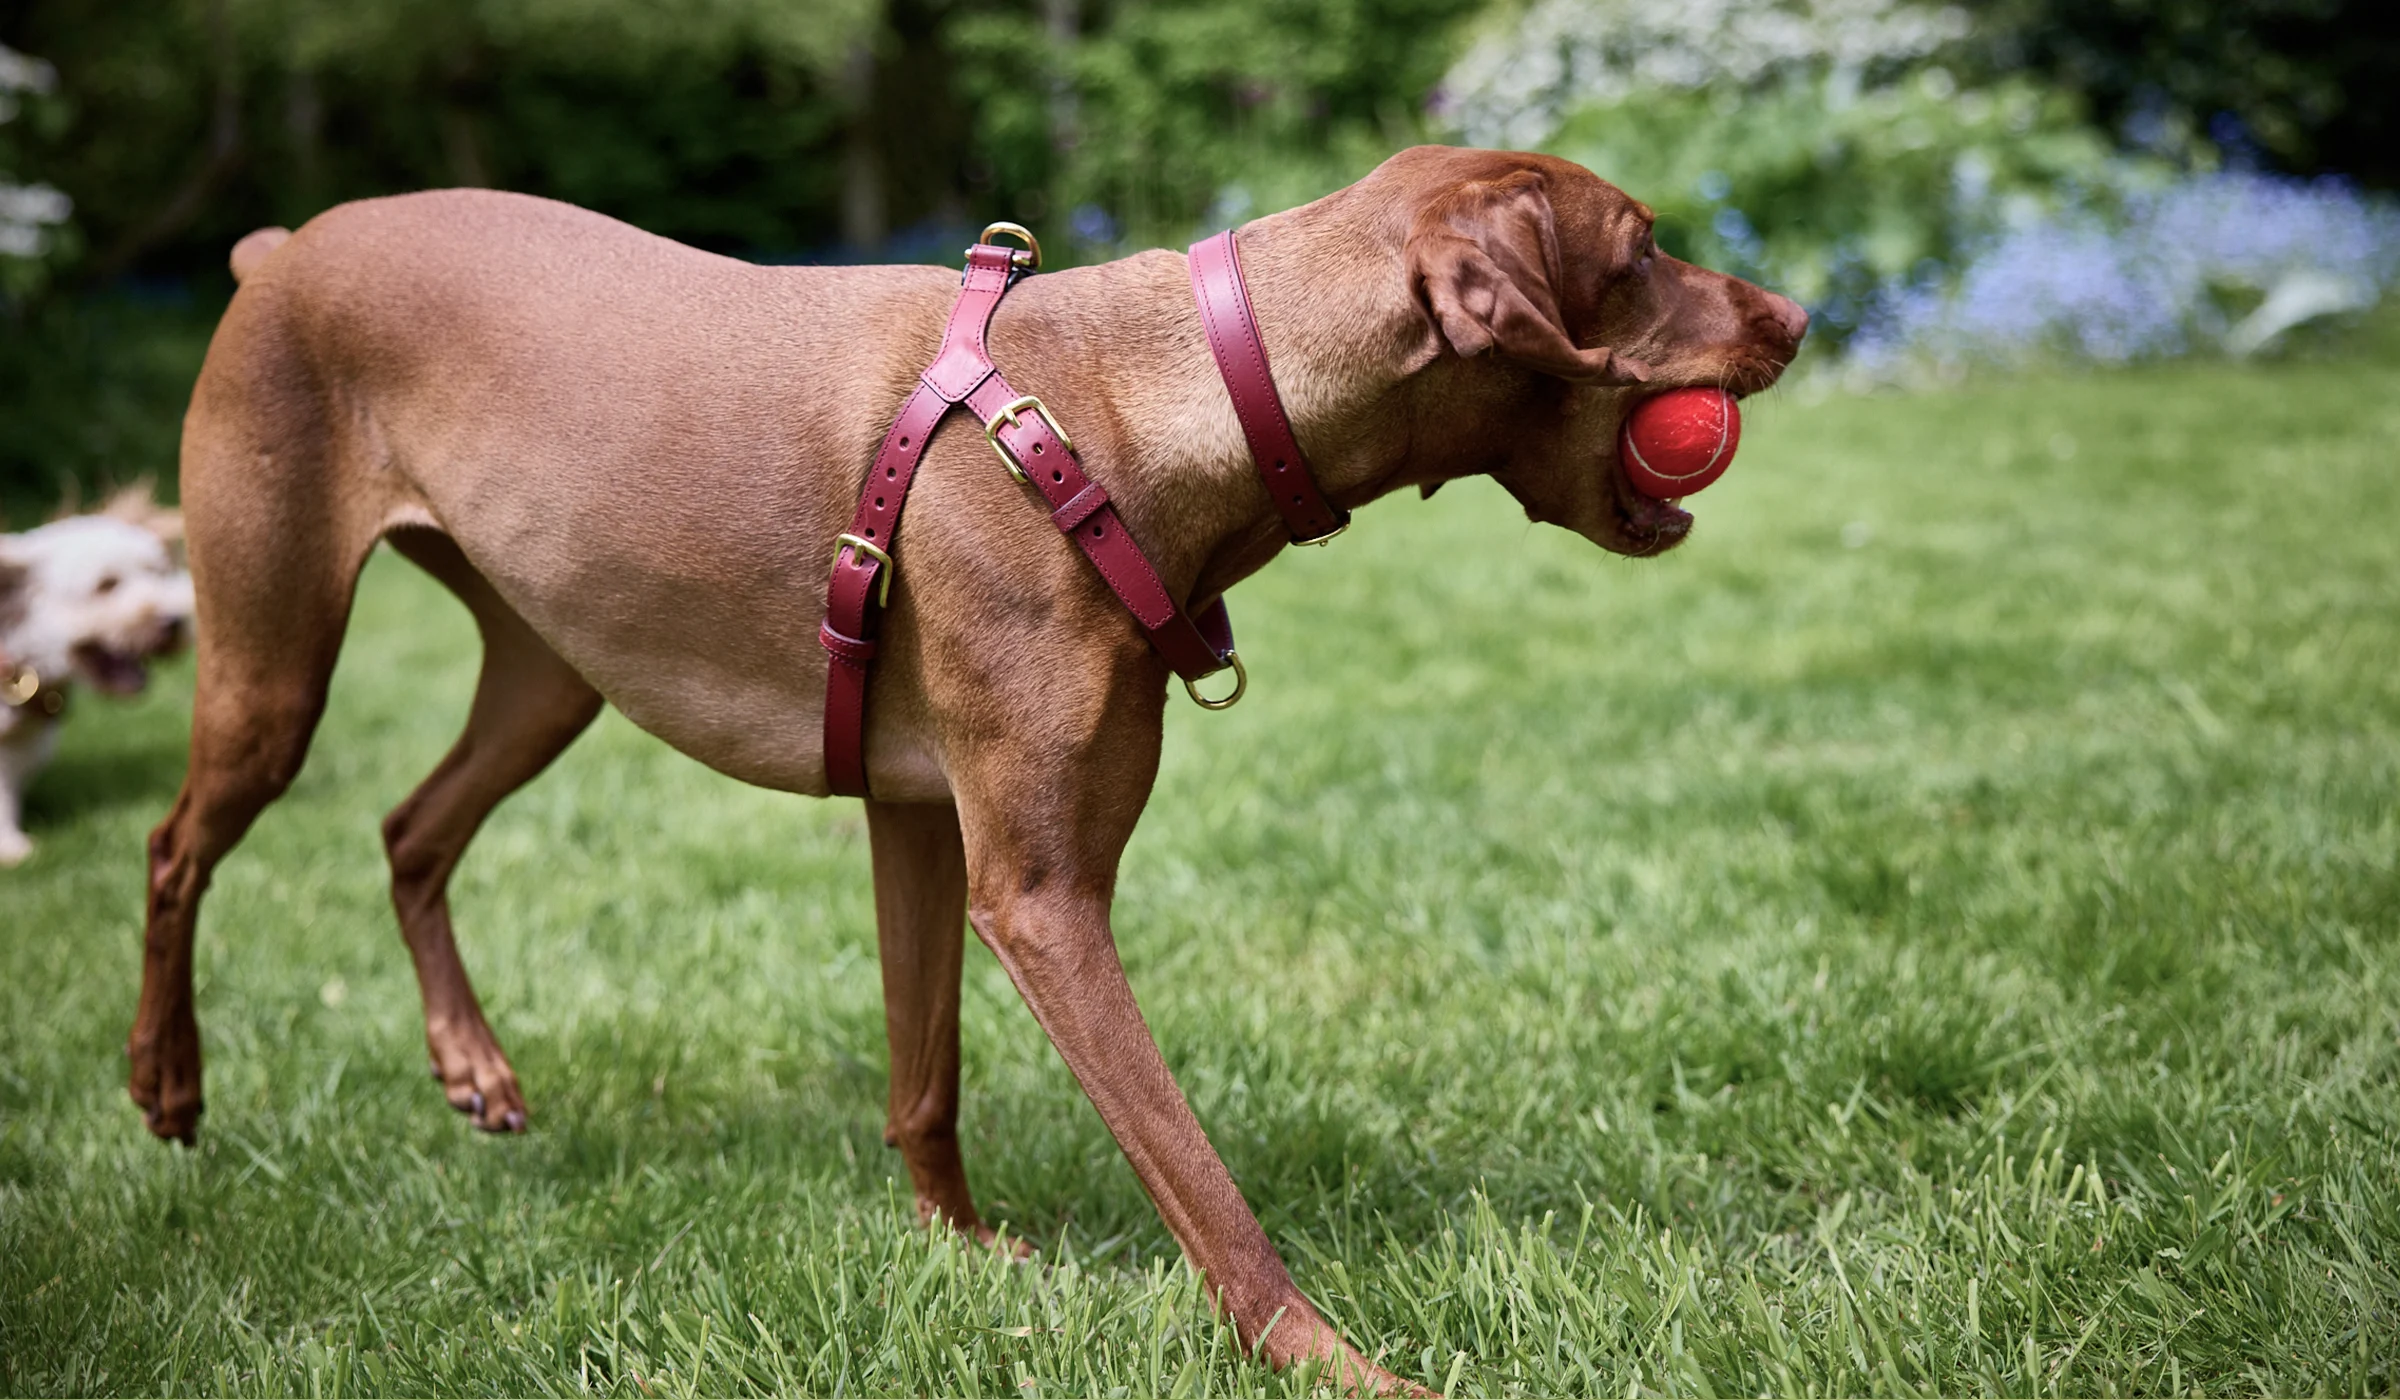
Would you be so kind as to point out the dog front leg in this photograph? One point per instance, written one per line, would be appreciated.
(25, 746)
(15, 845)
(920, 925)
(1046, 918)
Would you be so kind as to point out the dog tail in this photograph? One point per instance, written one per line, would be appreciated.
(254, 248)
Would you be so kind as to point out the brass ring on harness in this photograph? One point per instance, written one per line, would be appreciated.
(1241, 683)
(1028, 258)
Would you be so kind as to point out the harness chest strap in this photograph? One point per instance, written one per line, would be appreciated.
(1022, 431)
(1040, 454)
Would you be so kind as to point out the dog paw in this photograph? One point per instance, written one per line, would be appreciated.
(1009, 1247)
(15, 846)
(480, 1084)
(164, 1080)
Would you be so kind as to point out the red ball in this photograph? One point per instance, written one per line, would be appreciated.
(1677, 442)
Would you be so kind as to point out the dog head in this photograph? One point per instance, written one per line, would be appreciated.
(1549, 312)
(95, 597)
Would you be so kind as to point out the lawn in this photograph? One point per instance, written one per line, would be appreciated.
(1940, 930)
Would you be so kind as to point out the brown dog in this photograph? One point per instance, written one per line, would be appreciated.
(630, 460)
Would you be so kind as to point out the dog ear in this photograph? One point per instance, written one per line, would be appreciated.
(138, 505)
(14, 574)
(1483, 260)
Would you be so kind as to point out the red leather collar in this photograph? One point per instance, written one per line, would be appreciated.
(1241, 355)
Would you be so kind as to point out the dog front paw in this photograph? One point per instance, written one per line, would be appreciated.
(477, 1080)
(165, 1079)
(15, 846)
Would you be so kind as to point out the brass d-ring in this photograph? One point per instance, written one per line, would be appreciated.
(1241, 682)
(1031, 258)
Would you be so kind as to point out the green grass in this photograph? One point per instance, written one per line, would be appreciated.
(1939, 931)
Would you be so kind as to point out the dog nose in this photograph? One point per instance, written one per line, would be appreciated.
(1789, 316)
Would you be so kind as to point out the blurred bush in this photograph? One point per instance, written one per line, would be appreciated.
(1155, 119)
(1826, 149)
(34, 232)
(2227, 261)
(2308, 84)
(1833, 194)
(781, 129)
(1859, 153)
(189, 122)
(1869, 158)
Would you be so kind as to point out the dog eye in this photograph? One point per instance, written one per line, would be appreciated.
(107, 584)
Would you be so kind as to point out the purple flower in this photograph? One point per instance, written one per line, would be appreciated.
(2147, 283)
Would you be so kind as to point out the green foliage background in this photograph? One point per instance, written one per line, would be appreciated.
(812, 129)
(1836, 199)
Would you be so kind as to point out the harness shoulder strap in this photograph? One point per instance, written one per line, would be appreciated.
(1038, 453)
(862, 560)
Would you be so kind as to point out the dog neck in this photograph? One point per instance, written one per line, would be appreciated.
(1343, 335)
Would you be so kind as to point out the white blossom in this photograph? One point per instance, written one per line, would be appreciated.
(1515, 85)
(26, 211)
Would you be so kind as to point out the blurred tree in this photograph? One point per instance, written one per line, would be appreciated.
(1138, 120)
(33, 218)
(194, 120)
(755, 125)
(2315, 84)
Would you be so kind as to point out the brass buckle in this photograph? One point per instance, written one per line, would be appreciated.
(22, 686)
(1008, 414)
(1241, 683)
(883, 594)
(1029, 258)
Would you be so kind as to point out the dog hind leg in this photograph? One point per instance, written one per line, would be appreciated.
(529, 705)
(274, 580)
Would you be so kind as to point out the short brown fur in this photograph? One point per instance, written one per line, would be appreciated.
(630, 458)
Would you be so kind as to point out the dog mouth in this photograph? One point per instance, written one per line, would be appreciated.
(1651, 525)
(1645, 525)
(112, 671)
(1648, 525)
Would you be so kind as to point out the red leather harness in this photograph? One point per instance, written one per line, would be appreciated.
(1038, 453)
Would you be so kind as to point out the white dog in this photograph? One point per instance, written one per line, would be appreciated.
(90, 599)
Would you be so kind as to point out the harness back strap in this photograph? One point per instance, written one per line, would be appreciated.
(1241, 354)
(1038, 453)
